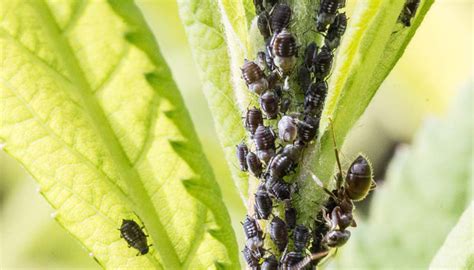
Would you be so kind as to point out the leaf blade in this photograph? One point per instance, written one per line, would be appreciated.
(77, 103)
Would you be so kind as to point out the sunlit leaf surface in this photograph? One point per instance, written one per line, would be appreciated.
(89, 108)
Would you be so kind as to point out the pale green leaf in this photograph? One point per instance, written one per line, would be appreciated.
(426, 190)
(91, 111)
(217, 34)
(371, 46)
(457, 252)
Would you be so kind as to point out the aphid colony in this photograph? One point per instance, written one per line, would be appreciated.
(280, 129)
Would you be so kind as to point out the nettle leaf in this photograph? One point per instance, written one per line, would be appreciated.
(371, 46)
(217, 33)
(457, 252)
(427, 188)
(90, 109)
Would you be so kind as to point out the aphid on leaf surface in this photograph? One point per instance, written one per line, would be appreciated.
(310, 52)
(335, 31)
(284, 50)
(280, 166)
(242, 151)
(251, 228)
(270, 263)
(250, 258)
(280, 17)
(327, 13)
(322, 63)
(287, 129)
(263, 203)
(304, 77)
(264, 25)
(280, 189)
(290, 259)
(264, 139)
(408, 12)
(293, 151)
(290, 215)
(301, 237)
(269, 102)
(262, 62)
(279, 233)
(253, 119)
(273, 80)
(134, 235)
(253, 164)
(254, 77)
(307, 129)
(253, 235)
(296, 263)
(314, 98)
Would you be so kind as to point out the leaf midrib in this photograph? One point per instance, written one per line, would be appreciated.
(127, 172)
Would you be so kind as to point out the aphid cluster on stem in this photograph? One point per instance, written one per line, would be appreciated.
(281, 125)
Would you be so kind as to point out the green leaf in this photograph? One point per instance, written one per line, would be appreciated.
(217, 34)
(426, 190)
(371, 46)
(457, 252)
(91, 111)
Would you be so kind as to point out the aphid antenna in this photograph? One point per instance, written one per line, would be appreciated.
(336, 151)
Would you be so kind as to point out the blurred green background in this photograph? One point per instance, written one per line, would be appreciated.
(437, 63)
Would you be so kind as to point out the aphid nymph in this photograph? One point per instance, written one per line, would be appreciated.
(254, 77)
(134, 235)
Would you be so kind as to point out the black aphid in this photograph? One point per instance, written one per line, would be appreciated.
(335, 31)
(280, 166)
(287, 129)
(322, 63)
(290, 215)
(135, 237)
(269, 57)
(301, 237)
(280, 189)
(408, 12)
(307, 129)
(273, 80)
(314, 98)
(310, 52)
(253, 119)
(269, 102)
(254, 165)
(291, 259)
(285, 105)
(279, 233)
(242, 151)
(270, 263)
(259, 7)
(250, 258)
(262, 62)
(254, 77)
(284, 51)
(327, 13)
(293, 151)
(264, 25)
(304, 77)
(280, 17)
(263, 203)
(264, 139)
(251, 228)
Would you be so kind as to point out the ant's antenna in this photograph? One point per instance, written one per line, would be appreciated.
(339, 177)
